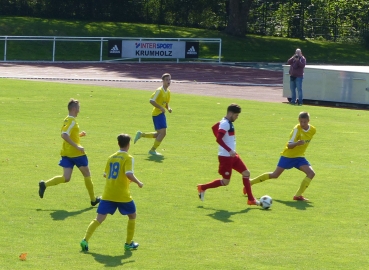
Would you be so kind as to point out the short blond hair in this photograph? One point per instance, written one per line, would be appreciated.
(72, 103)
(304, 115)
(165, 75)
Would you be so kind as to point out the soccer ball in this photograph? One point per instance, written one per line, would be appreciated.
(266, 201)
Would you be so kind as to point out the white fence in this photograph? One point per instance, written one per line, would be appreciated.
(102, 41)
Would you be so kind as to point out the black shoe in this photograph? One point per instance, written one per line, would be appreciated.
(98, 199)
(41, 189)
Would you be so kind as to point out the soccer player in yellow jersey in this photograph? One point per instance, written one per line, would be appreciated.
(72, 154)
(160, 100)
(118, 174)
(293, 156)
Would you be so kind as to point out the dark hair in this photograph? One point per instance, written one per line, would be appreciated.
(123, 140)
(165, 75)
(304, 115)
(72, 103)
(234, 108)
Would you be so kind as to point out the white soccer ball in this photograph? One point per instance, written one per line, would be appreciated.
(266, 201)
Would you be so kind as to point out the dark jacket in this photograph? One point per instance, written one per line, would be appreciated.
(297, 66)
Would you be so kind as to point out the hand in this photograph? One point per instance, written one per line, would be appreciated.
(140, 184)
(82, 134)
(232, 153)
(300, 142)
(82, 149)
(170, 110)
(162, 109)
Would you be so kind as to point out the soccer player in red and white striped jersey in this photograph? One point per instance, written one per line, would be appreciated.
(229, 160)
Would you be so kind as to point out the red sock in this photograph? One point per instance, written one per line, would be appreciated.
(246, 183)
(214, 184)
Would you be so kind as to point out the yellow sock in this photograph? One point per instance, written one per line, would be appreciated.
(91, 228)
(304, 184)
(148, 135)
(90, 188)
(156, 145)
(130, 230)
(259, 179)
(55, 181)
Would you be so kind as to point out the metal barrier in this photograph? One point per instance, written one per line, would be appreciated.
(102, 40)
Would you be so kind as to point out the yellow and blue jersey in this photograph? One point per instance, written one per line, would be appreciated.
(71, 128)
(297, 134)
(161, 97)
(117, 183)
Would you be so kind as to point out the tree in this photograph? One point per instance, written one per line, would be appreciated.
(238, 14)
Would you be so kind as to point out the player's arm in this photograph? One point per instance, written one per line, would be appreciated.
(292, 145)
(66, 138)
(220, 141)
(154, 103)
(293, 142)
(168, 108)
(133, 178)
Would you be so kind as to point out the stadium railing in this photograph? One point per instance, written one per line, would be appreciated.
(210, 48)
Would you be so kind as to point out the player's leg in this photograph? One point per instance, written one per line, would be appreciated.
(160, 124)
(161, 133)
(56, 180)
(308, 170)
(266, 176)
(140, 135)
(131, 225)
(129, 209)
(239, 166)
(82, 164)
(283, 164)
(104, 208)
(91, 229)
(225, 170)
(247, 189)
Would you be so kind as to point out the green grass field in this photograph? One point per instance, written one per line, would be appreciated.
(250, 48)
(174, 228)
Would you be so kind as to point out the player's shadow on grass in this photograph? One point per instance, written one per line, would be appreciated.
(299, 205)
(63, 214)
(225, 215)
(158, 159)
(112, 261)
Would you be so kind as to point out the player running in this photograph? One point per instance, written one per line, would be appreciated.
(72, 154)
(160, 100)
(228, 158)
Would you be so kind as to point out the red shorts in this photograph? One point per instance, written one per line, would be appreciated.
(226, 164)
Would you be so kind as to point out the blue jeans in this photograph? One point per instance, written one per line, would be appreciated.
(297, 83)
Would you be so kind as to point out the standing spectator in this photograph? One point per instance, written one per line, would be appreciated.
(297, 64)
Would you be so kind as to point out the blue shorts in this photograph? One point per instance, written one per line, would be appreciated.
(160, 121)
(68, 162)
(109, 207)
(289, 163)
